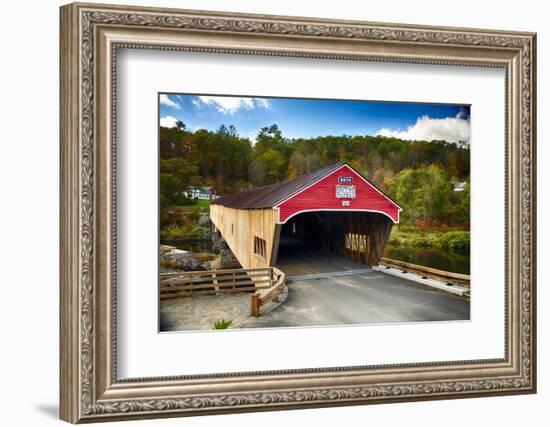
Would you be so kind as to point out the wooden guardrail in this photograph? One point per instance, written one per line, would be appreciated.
(265, 283)
(428, 272)
(264, 296)
(213, 282)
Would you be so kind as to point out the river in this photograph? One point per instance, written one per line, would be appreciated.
(196, 245)
(430, 257)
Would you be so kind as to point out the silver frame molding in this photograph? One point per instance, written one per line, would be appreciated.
(90, 37)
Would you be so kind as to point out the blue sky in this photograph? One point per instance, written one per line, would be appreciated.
(310, 117)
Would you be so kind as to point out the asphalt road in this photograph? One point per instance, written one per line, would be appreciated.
(371, 297)
(355, 298)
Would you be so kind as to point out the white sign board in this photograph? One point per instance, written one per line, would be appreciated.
(345, 191)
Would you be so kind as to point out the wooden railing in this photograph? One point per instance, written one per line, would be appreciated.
(271, 294)
(428, 272)
(265, 283)
(213, 282)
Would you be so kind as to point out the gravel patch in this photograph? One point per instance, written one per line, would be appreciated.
(201, 311)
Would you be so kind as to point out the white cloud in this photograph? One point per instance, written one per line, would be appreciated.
(449, 129)
(230, 104)
(461, 114)
(262, 103)
(165, 100)
(168, 122)
(252, 136)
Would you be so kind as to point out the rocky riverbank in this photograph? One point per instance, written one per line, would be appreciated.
(174, 259)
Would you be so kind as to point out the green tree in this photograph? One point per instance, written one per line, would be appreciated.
(257, 172)
(296, 164)
(170, 188)
(184, 170)
(268, 136)
(181, 126)
(425, 194)
(274, 163)
(461, 213)
(222, 130)
(232, 131)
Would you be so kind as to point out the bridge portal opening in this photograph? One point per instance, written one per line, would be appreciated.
(322, 240)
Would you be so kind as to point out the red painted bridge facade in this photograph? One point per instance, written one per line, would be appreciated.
(341, 190)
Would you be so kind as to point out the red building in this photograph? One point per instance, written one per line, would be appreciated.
(333, 209)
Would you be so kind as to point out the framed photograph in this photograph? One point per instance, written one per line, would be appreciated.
(249, 215)
(267, 212)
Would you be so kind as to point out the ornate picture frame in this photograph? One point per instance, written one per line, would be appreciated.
(90, 37)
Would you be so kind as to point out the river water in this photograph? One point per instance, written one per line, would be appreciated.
(193, 245)
(430, 257)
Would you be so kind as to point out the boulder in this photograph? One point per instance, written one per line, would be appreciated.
(164, 249)
(204, 221)
(228, 259)
(185, 261)
(217, 242)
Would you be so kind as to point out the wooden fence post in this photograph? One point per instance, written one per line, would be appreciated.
(215, 282)
(254, 305)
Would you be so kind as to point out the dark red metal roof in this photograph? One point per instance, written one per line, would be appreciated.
(270, 195)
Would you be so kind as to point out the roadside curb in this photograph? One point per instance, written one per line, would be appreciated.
(453, 289)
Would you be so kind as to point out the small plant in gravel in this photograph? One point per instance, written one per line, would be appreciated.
(222, 324)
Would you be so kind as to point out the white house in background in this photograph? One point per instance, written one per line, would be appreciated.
(201, 193)
(459, 186)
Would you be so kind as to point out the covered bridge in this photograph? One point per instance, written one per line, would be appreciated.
(333, 209)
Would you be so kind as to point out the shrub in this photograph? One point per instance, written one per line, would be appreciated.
(199, 231)
(178, 216)
(456, 241)
(177, 232)
(222, 324)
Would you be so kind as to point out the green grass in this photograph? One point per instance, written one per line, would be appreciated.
(198, 206)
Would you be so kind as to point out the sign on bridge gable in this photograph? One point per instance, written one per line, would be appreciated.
(345, 191)
(345, 180)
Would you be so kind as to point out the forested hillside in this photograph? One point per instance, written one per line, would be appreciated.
(419, 175)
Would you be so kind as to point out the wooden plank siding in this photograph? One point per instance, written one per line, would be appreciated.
(320, 196)
(239, 227)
